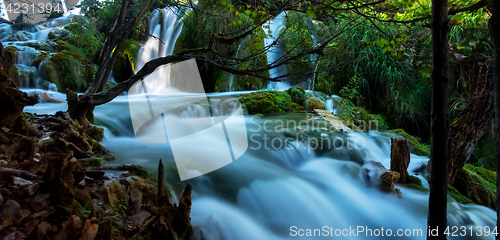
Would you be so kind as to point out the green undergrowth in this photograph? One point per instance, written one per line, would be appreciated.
(358, 117)
(415, 146)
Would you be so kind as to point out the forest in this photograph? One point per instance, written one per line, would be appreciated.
(249, 119)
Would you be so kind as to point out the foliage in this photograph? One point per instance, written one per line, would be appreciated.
(358, 117)
(84, 37)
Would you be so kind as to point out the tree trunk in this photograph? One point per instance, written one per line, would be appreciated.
(400, 158)
(495, 36)
(468, 128)
(438, 181)
(12, 101)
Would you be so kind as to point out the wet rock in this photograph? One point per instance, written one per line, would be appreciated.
(82, 196)
(11, 209)
(313, 103)
(90, 230)
(70, 229)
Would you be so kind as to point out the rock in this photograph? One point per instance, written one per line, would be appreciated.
(90, 229)
(105, 231)
(11, 209)
(387, 181)
(70, 229)
(313, 103)
(400, 158)
(82, 196)
(333, 120)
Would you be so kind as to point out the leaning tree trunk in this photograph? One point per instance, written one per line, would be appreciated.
(495, 36)
(468, 128)
(438, 181)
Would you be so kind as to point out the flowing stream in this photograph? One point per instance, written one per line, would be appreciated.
(278, 186)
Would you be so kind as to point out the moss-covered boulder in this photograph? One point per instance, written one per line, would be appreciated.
(415, 146)
(268, 103)
(455, 194)
(298, 95)
(67, 70)
(36, 62)
(478, 184)
(314, 103)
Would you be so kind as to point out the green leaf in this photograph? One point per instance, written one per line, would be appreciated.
(223, 3)
(248, 12)
(311, 14)
(387, 49)
(240, 22)
(230, 5)
(254, 14)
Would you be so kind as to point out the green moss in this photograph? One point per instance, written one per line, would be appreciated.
(413, 180)
(486, 174)
(67, 70)
(298, 95)
(478, 184)
(458, 196)
(52, 35)
(39, 59)
(11, 49)
(415, 146)
(124, 67)
(357, 117)
(14, 73)
(416, 187)
(268, 103)
(65, 55)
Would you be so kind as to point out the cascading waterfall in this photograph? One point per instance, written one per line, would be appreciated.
(276, 184)
(275, 52)
(269, 190)
(165, 26)
(29, 76)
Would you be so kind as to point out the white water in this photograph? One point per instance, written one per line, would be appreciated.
(265, 192)
(273, 28)
(165, 26)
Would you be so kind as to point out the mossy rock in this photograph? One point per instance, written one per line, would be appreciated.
(298, 95)
(67, 70)
(453, 192)
(314, 103)
(478, 184)
(52, 35)
(14, 73)
(416, 187)
(415, 146)
(12, 49)
(268, 103)
(19, 37)
(39, 59)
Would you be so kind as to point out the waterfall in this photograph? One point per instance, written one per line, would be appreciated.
(165, 26)
(273, 28)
